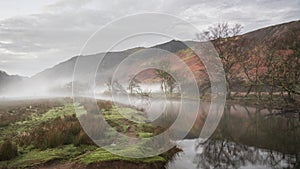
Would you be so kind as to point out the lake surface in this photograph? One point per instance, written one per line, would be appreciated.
(246, 138)
(226, 154)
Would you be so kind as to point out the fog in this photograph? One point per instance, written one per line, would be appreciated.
(37, 88)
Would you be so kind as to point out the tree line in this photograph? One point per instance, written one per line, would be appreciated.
(271, 67)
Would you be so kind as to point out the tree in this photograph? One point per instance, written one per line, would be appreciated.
(109, 84)
(228, 52)
(114, 86)
(168, 83)
(253, 67)
(290, 79)
(134, 85)
(118, 87)
(284, 65)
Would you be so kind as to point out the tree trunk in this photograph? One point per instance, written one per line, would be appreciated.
(249, 90)
(228, 90)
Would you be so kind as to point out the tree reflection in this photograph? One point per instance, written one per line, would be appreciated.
(225, 154)
(251, 136)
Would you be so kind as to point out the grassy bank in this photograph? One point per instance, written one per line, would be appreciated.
(53, 137)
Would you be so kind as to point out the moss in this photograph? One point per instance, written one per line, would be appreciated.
(117, 113)
(123, 119)
(80, 110)
(37, 157)
(51, 114)
(60, 112)
(113, 117)
(36, 119)
(56, 133)
(125, 128)
(144, 127)
(145, 135)
(101, 155)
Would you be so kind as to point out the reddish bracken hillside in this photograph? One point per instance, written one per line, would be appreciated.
(250, 51)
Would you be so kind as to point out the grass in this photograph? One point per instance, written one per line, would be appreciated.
(34, 120)
(37, 157)
(61, 112)
(20, 110)
(79, 110)
(125, 120)
(117, 113)
(129, 122)
(101, 155)
(145, 134)
(67, 110)
(31, 156)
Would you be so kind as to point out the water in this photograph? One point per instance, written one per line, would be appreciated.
(224, 154)
(246, 138)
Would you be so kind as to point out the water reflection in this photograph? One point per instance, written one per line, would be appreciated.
(245, 138)
(223, 154)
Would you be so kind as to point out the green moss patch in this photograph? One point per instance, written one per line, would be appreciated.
(37, 157)
(145, 134)
(101, 155)
(36, 119)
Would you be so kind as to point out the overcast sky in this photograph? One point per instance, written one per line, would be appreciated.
(35, 34)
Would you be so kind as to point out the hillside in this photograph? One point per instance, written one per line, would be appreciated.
(6, 81)
(277, 37)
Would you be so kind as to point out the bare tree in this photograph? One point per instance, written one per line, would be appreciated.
(253, 67)
(168, 83)
(109, 84)
(134, 85)
(228, 52)
(290, 78)
(114, 86)
(284, 65)
(118, 88)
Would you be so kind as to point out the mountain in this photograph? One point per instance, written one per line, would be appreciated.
(277, 33)
(63, 72)
(59, 77)
(8, 81)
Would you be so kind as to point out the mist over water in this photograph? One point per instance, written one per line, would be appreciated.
(31, 88)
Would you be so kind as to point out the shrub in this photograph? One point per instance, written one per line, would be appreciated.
(82, 138)
(8, 151)
(105, 105)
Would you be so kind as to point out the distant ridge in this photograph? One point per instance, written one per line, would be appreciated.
(6, 80)
(62, 73)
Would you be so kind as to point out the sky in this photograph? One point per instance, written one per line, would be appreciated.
(35, 34)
